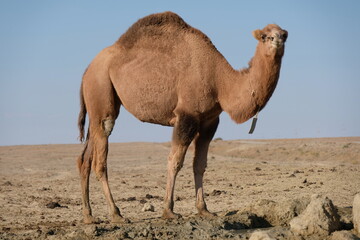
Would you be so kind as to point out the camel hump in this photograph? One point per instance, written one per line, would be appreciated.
(160, 19)
(156, 25)
(151, 26)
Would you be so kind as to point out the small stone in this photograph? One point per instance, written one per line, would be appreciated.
(131, 199)
(148, 208)
(216, 192)
(53, 205)
(261, 235)
(145, 232)
(149, 196)
(131, 235)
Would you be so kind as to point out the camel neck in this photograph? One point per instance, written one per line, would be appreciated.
(243, 93)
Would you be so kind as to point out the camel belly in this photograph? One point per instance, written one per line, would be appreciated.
(147, 101)
(158, 112)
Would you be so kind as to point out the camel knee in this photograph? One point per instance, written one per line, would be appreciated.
(108, 125)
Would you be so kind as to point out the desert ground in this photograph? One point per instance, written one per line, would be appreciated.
(249, 184)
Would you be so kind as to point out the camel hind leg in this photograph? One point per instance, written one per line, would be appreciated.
(102, 104)
(84, 165)
(99, 163)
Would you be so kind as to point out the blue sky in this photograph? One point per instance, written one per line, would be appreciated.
(45, 47)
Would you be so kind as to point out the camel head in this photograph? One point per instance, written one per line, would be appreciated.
(272, 38)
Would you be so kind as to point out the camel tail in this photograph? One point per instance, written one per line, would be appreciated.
(82, 116)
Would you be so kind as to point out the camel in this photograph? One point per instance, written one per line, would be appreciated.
(164, 71)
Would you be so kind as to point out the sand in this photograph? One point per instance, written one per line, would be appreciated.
(40, 188)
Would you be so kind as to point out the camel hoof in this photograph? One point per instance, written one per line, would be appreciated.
(119, 219)
(168, 214)
(90, 220)
(205, 213)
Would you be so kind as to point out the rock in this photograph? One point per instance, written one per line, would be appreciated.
(143, 201)
(131, 199)
(148, 208)
(261, 235)
(343, 235)
(319, 218)
(89, 230)
(217, 192)
(277, 213)
(131, 235)
(356, 213)
(50, 232)
(149, 196)
(53, 205)
(145, 232)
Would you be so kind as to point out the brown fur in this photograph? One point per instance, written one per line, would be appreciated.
(164, 71)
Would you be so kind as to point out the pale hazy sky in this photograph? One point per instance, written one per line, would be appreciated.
(45, 47)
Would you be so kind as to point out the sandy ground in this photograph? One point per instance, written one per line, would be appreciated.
(40, 189)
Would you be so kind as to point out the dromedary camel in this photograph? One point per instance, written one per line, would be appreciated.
(166, 72)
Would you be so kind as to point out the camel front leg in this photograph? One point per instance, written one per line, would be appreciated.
(202, 141)
(175, 163)
(185, 129)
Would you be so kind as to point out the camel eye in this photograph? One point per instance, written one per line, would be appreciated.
(263, 37)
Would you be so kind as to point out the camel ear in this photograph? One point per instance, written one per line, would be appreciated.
(258, 35)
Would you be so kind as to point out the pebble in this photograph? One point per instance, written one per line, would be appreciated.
(148, 208)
